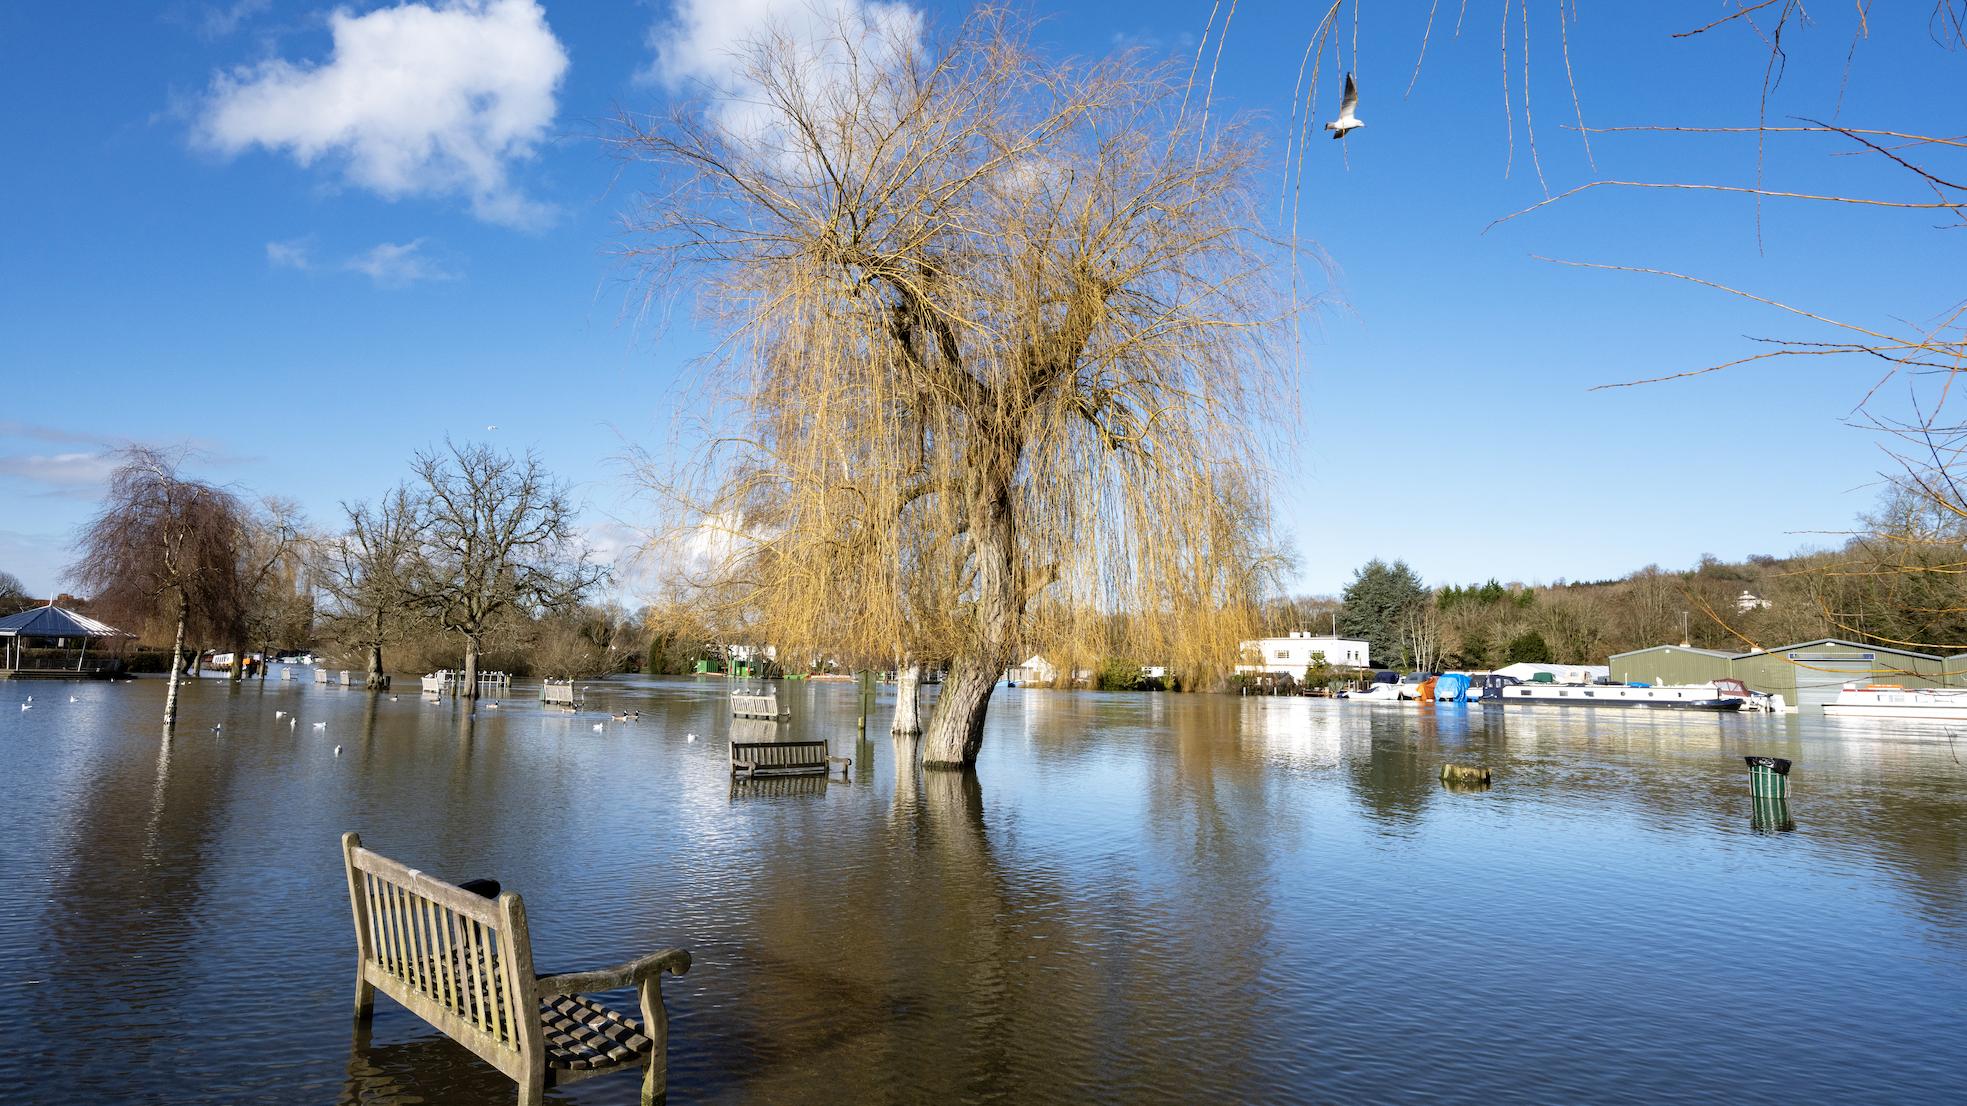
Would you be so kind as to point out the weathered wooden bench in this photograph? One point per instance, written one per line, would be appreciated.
(784, 758)
(464, 963)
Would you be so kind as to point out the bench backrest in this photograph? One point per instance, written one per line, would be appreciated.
(461, 962)
(780, 754)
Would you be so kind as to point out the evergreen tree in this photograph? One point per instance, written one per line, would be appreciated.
(1377, 604)
(1529, 648)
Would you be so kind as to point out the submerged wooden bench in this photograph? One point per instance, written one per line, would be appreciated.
(784, 758)
(464, 963)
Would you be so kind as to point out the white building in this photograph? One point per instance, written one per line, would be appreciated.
(1559, 673)
(1035, 670)
(1749, 601)
(1293, 653)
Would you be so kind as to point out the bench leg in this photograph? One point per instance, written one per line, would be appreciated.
(532, 1089)
(655, 1023)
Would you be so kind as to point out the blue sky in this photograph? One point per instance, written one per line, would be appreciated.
(226, 231)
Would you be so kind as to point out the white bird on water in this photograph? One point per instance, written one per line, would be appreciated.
(320, 725)
(217, 726)
(27, 706)
(1347, 121)
(337, 750)
(597, 727)
(279, 714)
(692, 737)
(73, 699)
(491, 426)
(292, 722)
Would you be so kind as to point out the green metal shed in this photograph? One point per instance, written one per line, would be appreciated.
(1671, 664)
(1810, 673)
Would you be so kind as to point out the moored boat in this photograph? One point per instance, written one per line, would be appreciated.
(1937, 704)
(1710, 696)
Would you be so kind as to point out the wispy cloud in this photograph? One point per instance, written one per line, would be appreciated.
(59, 473)
(418, 99)
(705, 44)
(398, 264)
(39, 433)
(291, 254)
(220, 20)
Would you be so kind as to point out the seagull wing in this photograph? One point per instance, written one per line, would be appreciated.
(1350, 102)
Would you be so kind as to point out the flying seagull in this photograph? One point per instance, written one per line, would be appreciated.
(1346, 121)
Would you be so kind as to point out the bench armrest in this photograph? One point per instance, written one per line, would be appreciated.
(673, 961)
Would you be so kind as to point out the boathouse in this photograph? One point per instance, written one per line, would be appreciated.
(1807, 674)
(55, 643)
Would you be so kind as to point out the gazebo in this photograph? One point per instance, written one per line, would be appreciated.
(54, 643)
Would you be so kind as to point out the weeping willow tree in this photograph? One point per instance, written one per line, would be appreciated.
(998, 358)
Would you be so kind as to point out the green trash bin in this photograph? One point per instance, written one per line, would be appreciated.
(1768, 777)
(1771, 815)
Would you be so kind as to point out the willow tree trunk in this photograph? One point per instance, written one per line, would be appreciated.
(956, 728)
(177, 670)
(468, 685)
(376, 681)
(908, 707)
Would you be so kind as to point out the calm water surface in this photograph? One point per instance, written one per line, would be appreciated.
(1136, 898)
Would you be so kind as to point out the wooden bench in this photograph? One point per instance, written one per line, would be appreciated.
(784, 758)
(464, 963)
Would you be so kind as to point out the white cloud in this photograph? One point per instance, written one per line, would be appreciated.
(223, 19)
(291, 254)
(397, 264)
(705, 43)
(60, 472)
(418, 99)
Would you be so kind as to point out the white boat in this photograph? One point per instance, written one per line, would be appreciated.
(1719, 695)
(1378, 693)
(1937, 704)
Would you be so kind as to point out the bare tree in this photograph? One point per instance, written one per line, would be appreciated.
(1420, 635)
(496, 540)
(163, 548)
(1001, 354)
(366, 573)
(269, 592)
(13, 594)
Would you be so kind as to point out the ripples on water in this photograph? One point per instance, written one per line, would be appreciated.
(1136, 898)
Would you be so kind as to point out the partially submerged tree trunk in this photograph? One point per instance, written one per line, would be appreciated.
(908, 705)
(376, 681)
(177, 669)
(956, 730)
(468, 683)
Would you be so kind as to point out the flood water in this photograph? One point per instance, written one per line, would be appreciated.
(1136, 898)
